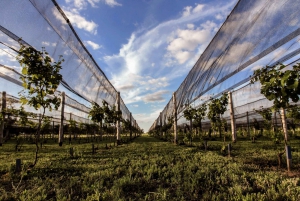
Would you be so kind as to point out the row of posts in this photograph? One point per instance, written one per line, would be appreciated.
(232, 119)
(233, 125)
(61, 131)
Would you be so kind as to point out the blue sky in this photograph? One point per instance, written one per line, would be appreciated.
(146, 47)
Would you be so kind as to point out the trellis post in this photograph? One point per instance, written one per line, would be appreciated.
(160, 123)
(118, 121)
(61, 128)
(284, 124)
(232, 120)
(130, 128)
(70, 137)
(135, 126)
(175, 118)
(248, 125)
(3, 110)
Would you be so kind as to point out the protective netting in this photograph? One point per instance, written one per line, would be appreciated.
(255, 34)
(43, 24)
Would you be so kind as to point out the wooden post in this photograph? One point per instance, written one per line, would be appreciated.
(3, 110)
(160, 124)
(248, 125)
(229, 150)
(233, 127)
(288, 157)
(70, 137)
(118, 122)
(52, 129)
(18, 165)
(284, 125)
(135, 126)
(130, 126)
(175, 119)
(61, 128)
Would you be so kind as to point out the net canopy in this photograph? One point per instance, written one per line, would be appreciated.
(43, 24)
(255, 34)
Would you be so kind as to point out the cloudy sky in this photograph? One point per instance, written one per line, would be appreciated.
(146, 47)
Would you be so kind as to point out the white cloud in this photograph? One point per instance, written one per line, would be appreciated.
(187, 11)
(93, 45)
(134, 87)
(187, 40)
(146, 53)
(237, 51)
(219, 17)
(159, 82)
(155, 97)
(93, 2)
(190, 26)
(80, 22)
(146, 119)
(79, 4)
(198, 8)
(135, 105)
(125, 87)
(82, 4)
(112, 3)
(48, 44)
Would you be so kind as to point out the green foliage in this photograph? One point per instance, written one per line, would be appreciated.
(46, 124)
(72, 126)
(199, 114)
(96, 113)
(293, 112)
(111, 114)
(279, 85)
(217, 107)
(256, 124)
(189, 112)
(126, 124)
(149, 169)
(40, 77)
(266, 113)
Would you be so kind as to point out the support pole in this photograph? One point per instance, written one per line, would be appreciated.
(175, 119)
(284, 125)
(61, 128)
(288, 157)
(3, 110)
(130, 118)
(135, 126)
(248, 125)
(52, 129)
(232, 120)
(70, 137)
(160, 124)
(118, 121)
(18, 165)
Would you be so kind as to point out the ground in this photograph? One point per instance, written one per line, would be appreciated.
(150, 169)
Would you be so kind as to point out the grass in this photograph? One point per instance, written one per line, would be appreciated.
(150, 169)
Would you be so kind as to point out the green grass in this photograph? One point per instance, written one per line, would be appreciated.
(150, 169)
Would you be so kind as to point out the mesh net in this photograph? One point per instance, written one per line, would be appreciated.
(43, 24)
(255, 34)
